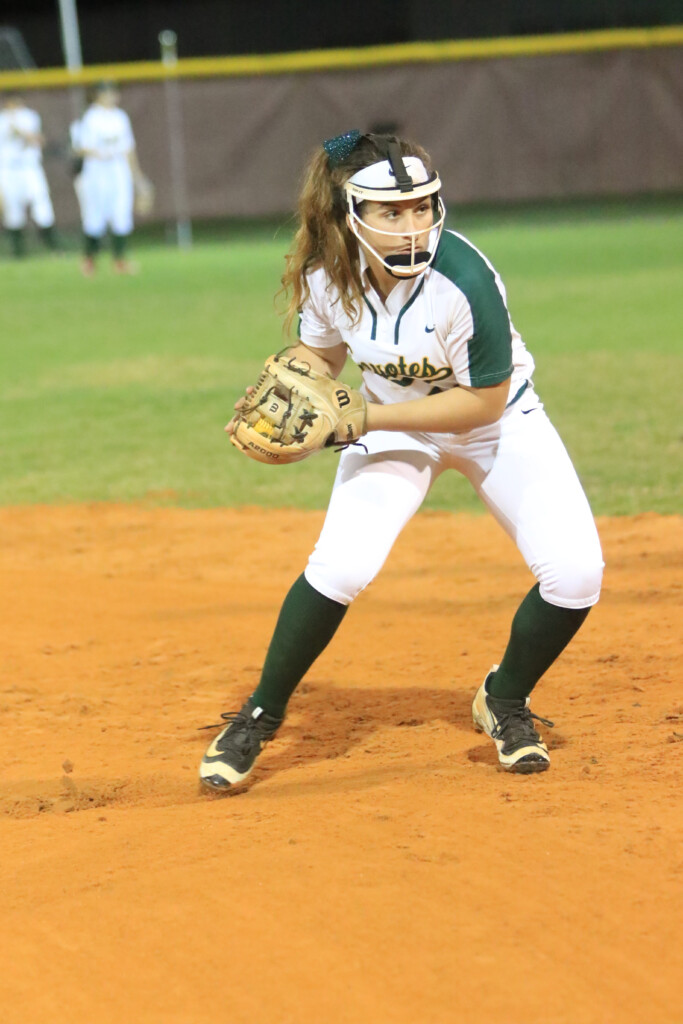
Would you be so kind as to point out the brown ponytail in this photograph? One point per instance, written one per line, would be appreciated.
(323, 238)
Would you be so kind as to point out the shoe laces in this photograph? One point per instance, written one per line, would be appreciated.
(521, 716)
(227, 715)
(246, 720)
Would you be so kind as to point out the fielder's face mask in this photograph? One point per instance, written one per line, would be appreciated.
(391, 181)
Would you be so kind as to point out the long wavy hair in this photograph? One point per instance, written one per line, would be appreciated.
(323, 238)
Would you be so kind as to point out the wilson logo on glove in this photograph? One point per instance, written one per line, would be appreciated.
(294, 412)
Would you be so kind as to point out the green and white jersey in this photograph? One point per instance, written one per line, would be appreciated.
(448, 327)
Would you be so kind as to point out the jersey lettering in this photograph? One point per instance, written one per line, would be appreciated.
(408, 371)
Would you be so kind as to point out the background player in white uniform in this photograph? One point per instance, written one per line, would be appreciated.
(423, 313)
(106, 184)
(23, 186)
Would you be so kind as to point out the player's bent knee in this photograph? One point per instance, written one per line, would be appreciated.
(339, 582)
(572, 584)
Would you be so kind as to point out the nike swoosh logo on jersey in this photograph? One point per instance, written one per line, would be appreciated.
(525, 412)
(429, 330)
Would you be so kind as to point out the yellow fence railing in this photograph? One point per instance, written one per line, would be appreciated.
(363, 57)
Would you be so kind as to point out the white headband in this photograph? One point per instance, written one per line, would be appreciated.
(377, 182)
(381, 175)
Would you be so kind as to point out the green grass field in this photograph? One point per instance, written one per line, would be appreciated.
(117, 389)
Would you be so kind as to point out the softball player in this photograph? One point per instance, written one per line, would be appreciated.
(448, 380)
(24, 190)
(105, 187)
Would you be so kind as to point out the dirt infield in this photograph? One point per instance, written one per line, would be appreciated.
(380, 869)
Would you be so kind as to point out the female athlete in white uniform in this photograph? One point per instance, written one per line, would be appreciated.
(105, 186)
(23, 186)
(448, 380)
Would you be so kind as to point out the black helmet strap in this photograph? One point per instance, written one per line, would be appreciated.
(391, 151)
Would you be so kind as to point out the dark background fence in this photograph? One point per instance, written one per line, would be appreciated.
(515, 128)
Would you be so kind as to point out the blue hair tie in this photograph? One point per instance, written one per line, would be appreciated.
(341, 147)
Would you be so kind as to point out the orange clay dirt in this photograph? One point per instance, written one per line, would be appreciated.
(380, 868)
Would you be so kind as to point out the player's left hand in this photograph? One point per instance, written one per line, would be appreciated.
(144, 195)
(230, 427)
(295, 411)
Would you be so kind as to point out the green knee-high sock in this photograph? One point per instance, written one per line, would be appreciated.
(540, 632)
(17, 241)
(118, 246)
(91, 246)
(306, 624)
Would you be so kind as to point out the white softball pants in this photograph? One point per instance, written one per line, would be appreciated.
(105, 195)
(520, 469)
(25, 192)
